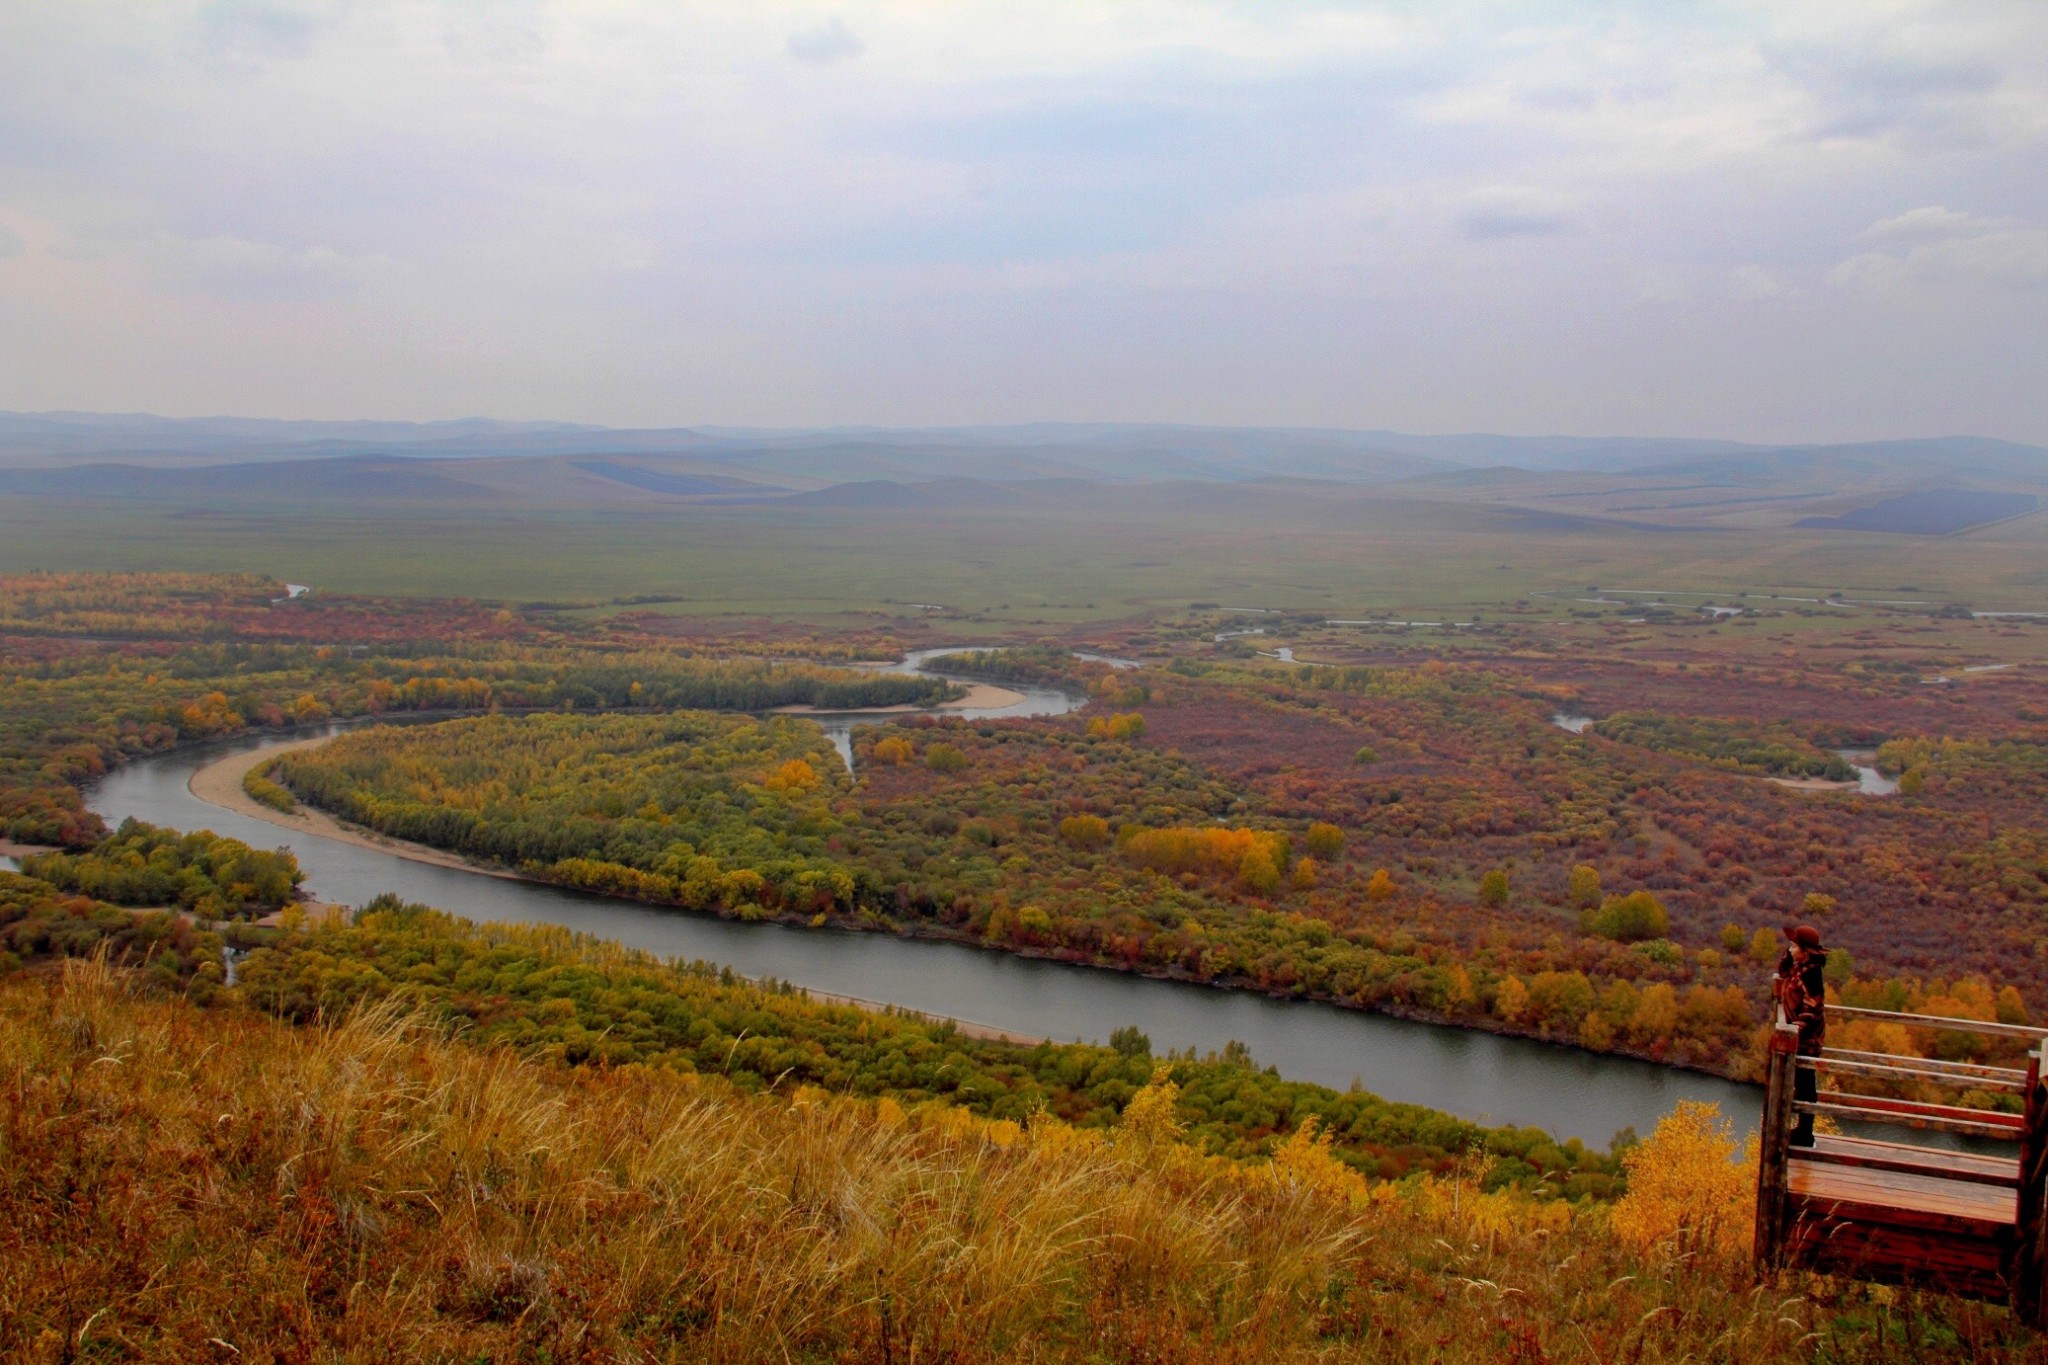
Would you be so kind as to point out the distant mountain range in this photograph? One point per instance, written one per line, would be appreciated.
(1662, 482)
(1137, 451)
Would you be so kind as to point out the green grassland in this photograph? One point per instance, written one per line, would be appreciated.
(1121, 554)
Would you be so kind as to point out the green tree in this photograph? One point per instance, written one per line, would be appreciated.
(1627, 919)
(1325, 841)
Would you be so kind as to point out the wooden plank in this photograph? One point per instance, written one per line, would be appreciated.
(1907, 1247)
(1934, 1156)
(1989, 1120)
(2012, 1073)
(1925, 1109)
(2030, 1241)
(2026, 1031)
(1972, 1209)
(1939, 1242)
(1775, 1133)
(1875, 1251)
(1857, 1114)
(1910, 1165)
(1836, 1064)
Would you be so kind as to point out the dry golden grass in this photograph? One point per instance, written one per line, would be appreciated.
(188, 1184)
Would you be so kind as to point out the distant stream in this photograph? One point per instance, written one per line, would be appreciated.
(1869, 781)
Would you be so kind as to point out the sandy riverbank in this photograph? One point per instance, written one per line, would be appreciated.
(219, 783)
(9, 849)
(980, 696)
(1815, 784)
(983, 695)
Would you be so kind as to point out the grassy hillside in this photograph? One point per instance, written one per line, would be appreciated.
(192, 1184)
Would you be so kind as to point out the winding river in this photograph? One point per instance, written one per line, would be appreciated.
(1868, 781)
(1031, 701)
(1476, 1075)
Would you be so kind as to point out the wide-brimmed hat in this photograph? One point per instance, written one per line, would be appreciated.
(1805, 935)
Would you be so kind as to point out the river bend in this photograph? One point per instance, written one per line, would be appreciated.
(1476, 1075)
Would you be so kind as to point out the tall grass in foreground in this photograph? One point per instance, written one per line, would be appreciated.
(186, 1184)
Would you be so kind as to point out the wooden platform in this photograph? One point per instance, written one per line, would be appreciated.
(1964, 1222)
(1902, 1226)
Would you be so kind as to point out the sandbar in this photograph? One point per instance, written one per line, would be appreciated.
(219, 783)
(980, 696)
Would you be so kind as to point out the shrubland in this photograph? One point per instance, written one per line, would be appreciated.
(1160, 850)
(1402, 829)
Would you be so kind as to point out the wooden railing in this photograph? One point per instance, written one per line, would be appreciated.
(1891, 1241)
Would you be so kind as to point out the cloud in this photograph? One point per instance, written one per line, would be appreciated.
(1497, 215)
(1937, 248)
(11, 242)
(250, 31)
(1301, 211)
(239, 267)
(1662, 288)
(823, 44)
(1932, 224)
(1862, 93)
(1757, 282)
(1494, 224)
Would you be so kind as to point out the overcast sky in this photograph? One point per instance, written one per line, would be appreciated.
(1776, 221)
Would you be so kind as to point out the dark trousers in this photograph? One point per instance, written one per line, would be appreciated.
(1805, 1086)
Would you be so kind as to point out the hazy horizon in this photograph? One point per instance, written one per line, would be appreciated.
(472, 419)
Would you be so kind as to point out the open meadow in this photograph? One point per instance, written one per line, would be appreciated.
(1016, 557)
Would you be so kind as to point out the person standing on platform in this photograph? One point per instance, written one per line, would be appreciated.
(1803, 994)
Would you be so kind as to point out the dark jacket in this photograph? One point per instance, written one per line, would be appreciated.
(1802, 989)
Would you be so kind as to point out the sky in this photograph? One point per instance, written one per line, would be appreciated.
(1785, 220)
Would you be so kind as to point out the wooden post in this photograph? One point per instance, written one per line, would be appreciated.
(1774, 1143)
(2030, 1253)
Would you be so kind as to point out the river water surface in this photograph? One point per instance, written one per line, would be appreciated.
(1475, 1075)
